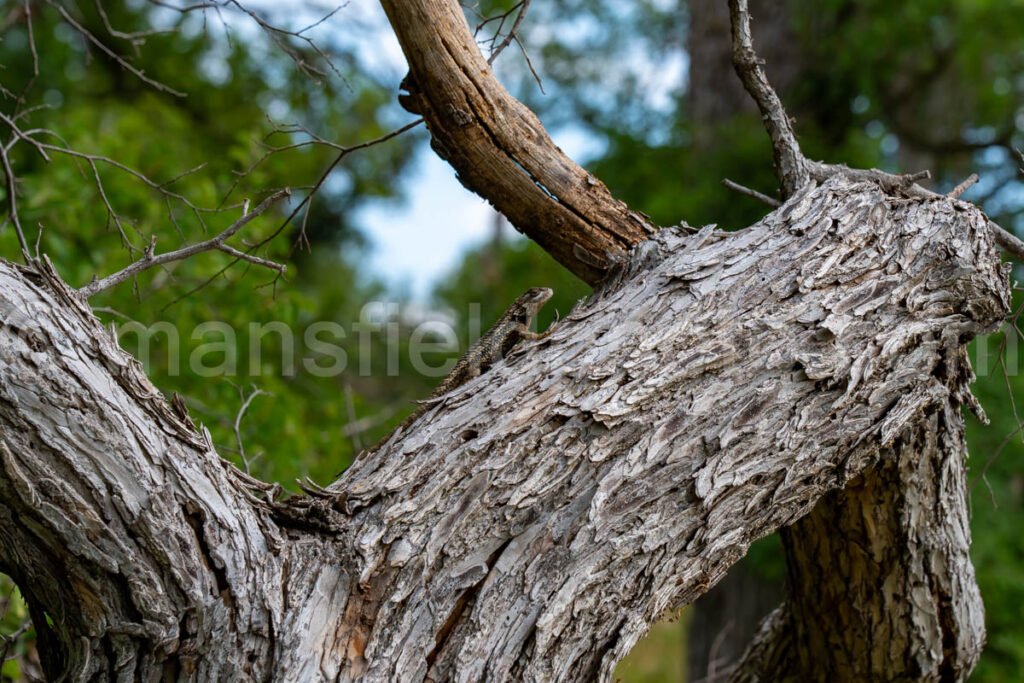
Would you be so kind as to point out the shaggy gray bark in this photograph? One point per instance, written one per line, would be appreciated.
(885, 561)
(532, 525)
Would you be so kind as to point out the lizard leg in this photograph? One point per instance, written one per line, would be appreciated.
(525, 333)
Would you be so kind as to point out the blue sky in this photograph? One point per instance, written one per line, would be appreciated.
(417, 242)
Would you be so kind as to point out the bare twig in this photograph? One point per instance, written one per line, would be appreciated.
(957, 191)
(350, 407)
(513, 32)
(31, 41)
(1008, 241)
(7, 641)
(12, 204)
(736, 187)
(247, 401)
(345, 151)
(790, 163)
(125, 64)
(136, 38)
(279, 35)
(151, 259)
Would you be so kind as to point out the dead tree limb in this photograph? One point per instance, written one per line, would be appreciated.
(501, 151)
(790, 164)
(218, 243)
(532, 525)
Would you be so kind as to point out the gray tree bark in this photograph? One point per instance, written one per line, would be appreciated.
(722, 623)
(536, 522)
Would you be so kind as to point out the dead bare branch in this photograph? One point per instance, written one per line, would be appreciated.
(246, 402)
(736, 187)
(12, 204)
(790, 163)
(968, 182)
(513, 32)
(218, 243)
(345, 151)
(103, 47)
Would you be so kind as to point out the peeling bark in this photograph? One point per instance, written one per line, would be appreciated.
(536, 522)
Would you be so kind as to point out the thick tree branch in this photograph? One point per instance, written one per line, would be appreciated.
(499, 148)
(546, 513)
(680, 417)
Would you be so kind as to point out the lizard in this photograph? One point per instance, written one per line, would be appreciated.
(511, 328)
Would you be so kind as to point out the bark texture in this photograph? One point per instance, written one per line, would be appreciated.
(722, 390)
(884, 562)
(534, 524)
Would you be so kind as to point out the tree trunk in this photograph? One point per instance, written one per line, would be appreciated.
(886, 563)
(723, 621)
(533, 524)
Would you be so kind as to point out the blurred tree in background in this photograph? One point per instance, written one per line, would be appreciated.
(859, 77)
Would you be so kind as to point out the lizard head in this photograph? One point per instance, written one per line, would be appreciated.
(532, 301)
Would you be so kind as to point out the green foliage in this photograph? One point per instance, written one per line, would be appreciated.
(997, 499)
(197, 148)
(13, 617)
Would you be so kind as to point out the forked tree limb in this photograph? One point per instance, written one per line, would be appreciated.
(546, 513)
(151, 259)
(501, 151)
(792, 168)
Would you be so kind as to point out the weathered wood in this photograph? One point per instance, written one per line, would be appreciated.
(708, 401)
(532, 525)
(500, 149)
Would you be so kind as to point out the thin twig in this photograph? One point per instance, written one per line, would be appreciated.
(12, 204)
(770, 201)
(9, 640)
(150, 259)
(790, 163)
(309, 195)
(125, 64)
(963, 187)
(31, 39)
(238, 423)
(523, 6)
(350, 407)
